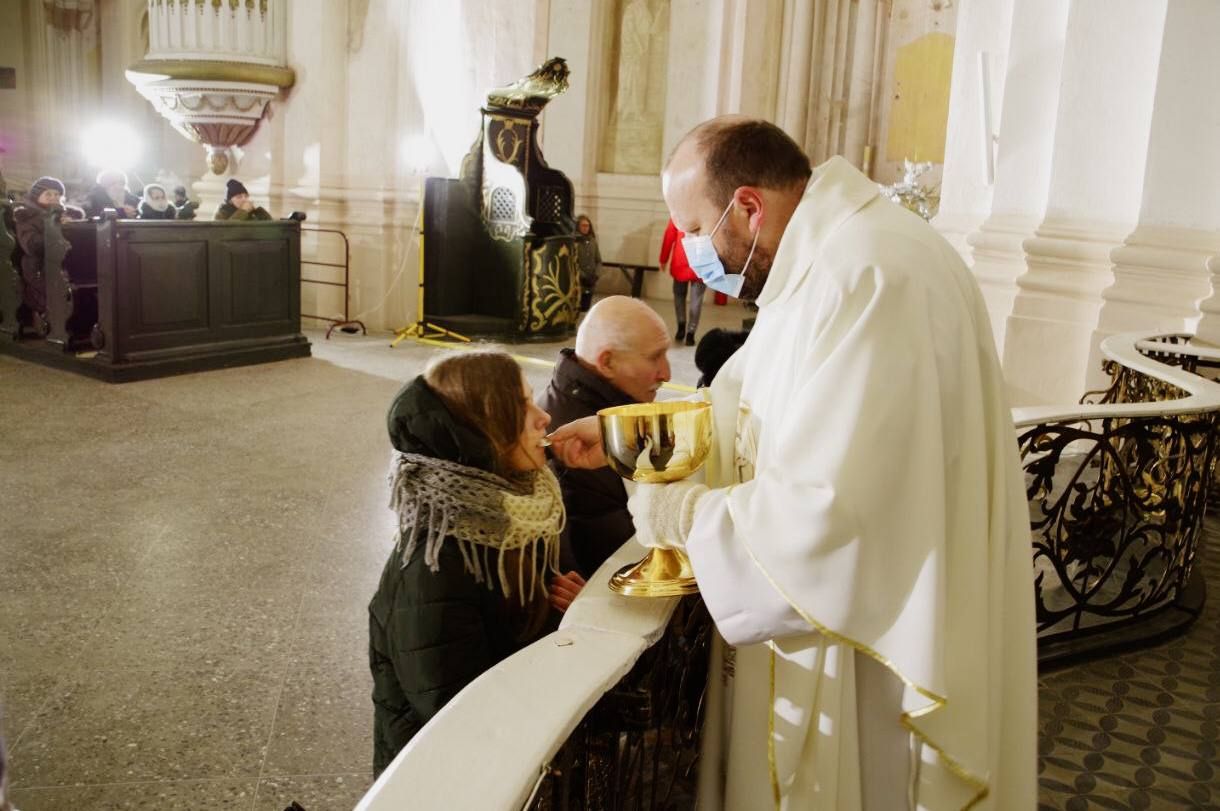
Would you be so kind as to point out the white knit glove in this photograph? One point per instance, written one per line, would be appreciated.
(663, 513)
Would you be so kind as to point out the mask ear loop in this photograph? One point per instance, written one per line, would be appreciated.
(753, 245)
(720, 221)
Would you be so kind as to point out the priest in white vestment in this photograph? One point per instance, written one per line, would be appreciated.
(862, 538)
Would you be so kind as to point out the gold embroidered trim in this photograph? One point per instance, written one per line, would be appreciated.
(955, 768)
(771, 734)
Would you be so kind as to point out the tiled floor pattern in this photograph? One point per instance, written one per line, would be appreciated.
(1140, 730)
(184, 569)
(185, 566)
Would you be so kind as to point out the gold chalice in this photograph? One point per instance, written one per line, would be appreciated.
(653, 443)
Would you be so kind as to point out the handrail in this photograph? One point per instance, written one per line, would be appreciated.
(346, 323)
(489, 747)
(1124, 348)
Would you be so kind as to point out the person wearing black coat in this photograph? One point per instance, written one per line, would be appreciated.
(237, 204)
(448, 607)
(29, 218)
(111, 192)
(714, 350)
(620, 358)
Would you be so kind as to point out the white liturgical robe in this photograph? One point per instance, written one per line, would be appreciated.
(865, 547)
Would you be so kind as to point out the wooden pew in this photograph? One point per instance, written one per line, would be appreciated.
(152, 298)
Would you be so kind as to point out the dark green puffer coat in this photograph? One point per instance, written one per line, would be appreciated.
(432, 633)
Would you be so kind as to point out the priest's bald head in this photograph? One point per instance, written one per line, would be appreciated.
(625, 342)
(746, 171)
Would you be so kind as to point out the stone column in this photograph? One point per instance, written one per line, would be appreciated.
(1023, 155)
(1160, 272)
(1098, 165)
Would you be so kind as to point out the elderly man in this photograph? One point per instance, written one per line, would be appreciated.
(862, 540)
(620, 358)
(111, 192)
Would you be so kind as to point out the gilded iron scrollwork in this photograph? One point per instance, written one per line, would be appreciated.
(1116, 508)
(639, 745)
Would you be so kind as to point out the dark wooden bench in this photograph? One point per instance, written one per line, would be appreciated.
(133, 299)
(634, 273)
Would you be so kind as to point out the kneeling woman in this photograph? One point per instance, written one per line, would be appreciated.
(479, 515)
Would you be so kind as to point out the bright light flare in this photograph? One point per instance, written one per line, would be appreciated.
(110, 145)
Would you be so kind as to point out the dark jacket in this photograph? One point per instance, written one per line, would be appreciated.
(147, 212)
(186, 211)
(228, 211)
(432, 633)
(98, 200)
(596, 500)
(29, 220)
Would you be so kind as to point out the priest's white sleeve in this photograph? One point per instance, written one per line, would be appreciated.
(844, 522)
(747, 609)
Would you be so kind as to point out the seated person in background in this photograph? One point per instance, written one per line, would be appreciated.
(29, 219)
(111, 192)
(620, 358)
(237, 205)
(156, 205)
(714, 349)
(186, 207)
(479, 513)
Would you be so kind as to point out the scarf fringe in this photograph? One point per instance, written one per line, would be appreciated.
(481, 513)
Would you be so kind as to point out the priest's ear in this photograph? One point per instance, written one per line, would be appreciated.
(750, 200)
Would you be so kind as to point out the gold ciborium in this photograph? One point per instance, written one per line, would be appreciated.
(653, 443)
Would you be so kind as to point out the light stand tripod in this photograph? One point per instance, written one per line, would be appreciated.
(422, 329)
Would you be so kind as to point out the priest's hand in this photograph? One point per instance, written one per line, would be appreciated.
(579, 444)
(663, 513)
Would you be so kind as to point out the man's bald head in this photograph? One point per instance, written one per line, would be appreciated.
(624, 341)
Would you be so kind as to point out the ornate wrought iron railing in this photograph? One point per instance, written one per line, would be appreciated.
(638, 747)
(1117, 495)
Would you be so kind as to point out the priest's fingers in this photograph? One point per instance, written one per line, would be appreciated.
(587, 429)
(579, 444)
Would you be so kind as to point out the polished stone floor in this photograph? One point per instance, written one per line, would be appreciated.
(185, 566)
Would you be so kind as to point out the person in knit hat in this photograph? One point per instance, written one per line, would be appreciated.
(29, 218)
(156, 205)
(237, 204)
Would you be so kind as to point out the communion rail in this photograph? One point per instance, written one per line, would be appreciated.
(605, 712)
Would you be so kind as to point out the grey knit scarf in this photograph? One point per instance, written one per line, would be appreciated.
(484, 514)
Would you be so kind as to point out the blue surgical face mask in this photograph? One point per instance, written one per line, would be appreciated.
(703, 259)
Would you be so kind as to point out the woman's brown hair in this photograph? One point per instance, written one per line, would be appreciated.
(482, 388)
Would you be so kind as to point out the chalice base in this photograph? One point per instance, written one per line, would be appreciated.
(663, 573)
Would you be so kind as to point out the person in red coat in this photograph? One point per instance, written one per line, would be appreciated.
(673, 259)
